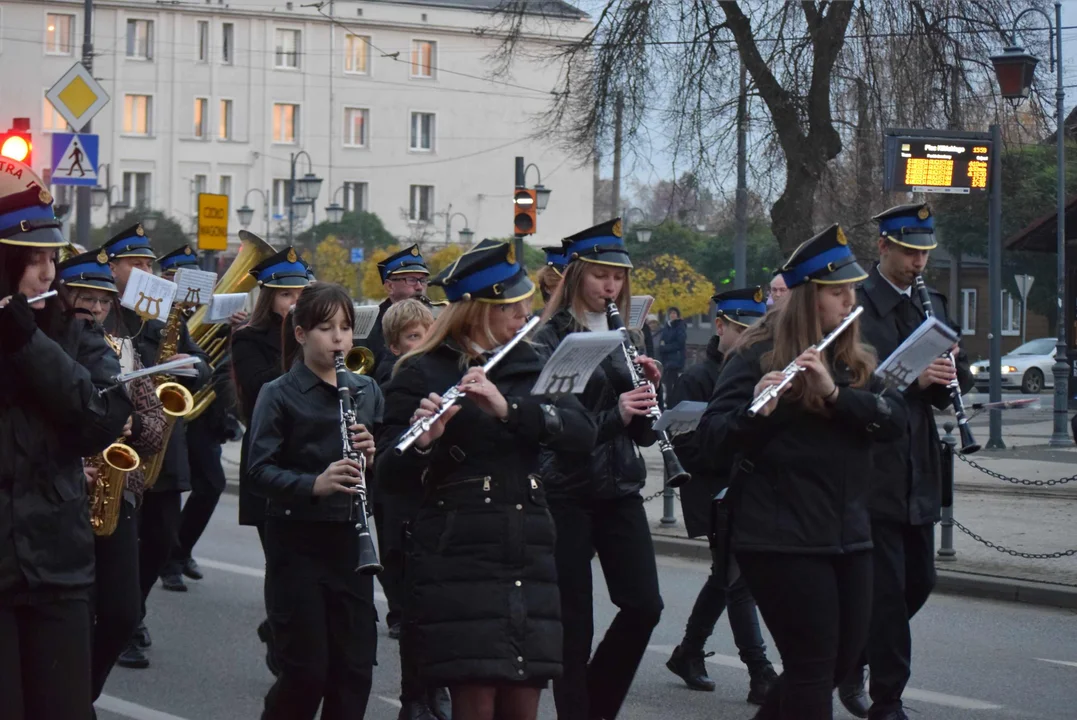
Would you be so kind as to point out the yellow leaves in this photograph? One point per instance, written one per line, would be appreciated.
(332, 264)
(437, 262)
(673, 282)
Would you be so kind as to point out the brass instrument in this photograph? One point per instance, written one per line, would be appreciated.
(176, 400)
(213, 338)
(359, 360)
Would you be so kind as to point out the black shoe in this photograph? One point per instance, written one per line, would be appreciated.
(191, 569)
(142, 639)
(891, 713)
(440, 703)
(691, 668)
(760, 685)
(394, 631)
(415, 710)
(265, 634)
(173, 582)
(133, 657)
(852, 694)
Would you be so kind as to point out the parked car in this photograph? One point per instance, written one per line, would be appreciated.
(1027, 367)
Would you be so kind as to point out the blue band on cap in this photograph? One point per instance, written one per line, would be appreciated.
(556, 259)
(803, 272)
(611, 242)
(746, 305)
(35, 212)
(907, 223)
(284, 269)
(480, 280)
(91, 270)
(178, 261)
(135, 242)
(396, 264)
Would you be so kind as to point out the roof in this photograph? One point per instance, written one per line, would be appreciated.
(549, 8)
(1040, 235)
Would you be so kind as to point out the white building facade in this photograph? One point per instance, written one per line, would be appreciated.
(393, 102)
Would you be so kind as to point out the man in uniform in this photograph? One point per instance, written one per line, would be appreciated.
(735, 311)
(404, 275)
(905, 499)
(160, 512)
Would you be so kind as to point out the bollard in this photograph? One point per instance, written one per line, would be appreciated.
(946, 541)
(669, 510)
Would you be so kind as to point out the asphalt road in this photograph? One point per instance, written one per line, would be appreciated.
(973, 659)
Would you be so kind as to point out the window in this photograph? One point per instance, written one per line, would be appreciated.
(422, 131)
(59, 34)
(423, 57)
(228, 35)
(355, 122)
(1011, 314)
(199, 186)
(280, 198)
(285, 119)
(203, 41)
(287, 49)
(136, 189)
(968, 311)
(356, 54)
(224, 132)
(140, 39)
(422, 203)
(201, 106)
(224, 186)
(137, 114)
(52, 121)
(355, 194)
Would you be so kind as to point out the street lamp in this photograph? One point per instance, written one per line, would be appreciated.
(245, 212)
(304, 190)
(116, 211)
(1014, 69)
(643, 234)
(149, 221)
(542, 193)
(300, 208)
(466, 235)
(334, 212)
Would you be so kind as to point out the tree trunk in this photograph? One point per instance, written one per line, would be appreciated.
(792, 214)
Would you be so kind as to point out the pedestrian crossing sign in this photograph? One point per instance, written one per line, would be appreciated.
(74, 159)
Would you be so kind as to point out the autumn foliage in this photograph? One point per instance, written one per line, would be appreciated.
(673, 283)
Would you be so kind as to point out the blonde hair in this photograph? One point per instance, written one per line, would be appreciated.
(402, 315)
(568, 293)
(548, 278)
(458, 323)
(794, 328)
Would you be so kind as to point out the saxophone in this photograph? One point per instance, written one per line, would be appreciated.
(112, 465)
(176, 400)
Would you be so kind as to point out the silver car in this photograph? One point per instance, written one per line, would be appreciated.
(1027, 367)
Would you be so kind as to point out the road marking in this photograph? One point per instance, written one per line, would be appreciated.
(132, 710)
(392, 701)
(1068, 663)
(926, 696)
(254, 572)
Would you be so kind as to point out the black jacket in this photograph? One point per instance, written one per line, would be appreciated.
(176, 471)
(256, 360)
(672, 345)
(295, 436)
(907, 471)
(696, 384)
(482, 573)
(614, 467)
(51, 416)
(800, 479)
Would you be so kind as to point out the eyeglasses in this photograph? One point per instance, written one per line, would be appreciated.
(411, 281)
(93, 302)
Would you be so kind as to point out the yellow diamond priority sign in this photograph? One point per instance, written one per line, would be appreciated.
(77, 96)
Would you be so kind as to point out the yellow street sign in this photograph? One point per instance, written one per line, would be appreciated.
(77, 96)
(212, 221)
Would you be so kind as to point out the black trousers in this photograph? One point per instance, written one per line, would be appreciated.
(818, 609)
(904, 558)
(117, 603)
(158, 525)
(322, 615)
(45, 661)
(390, 553)
(207, 484)
(391, 520)
(618, 531)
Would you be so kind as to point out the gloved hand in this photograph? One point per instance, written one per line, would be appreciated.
(17, 325)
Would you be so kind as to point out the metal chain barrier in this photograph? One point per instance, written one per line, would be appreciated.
(655, 496)
(1016, 481)
(1014, 553)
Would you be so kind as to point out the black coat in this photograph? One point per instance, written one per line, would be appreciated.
(907, 471)
(51, 416)
(672, 345)
(256, 360)
(696, 384)
(295, 435)
(613, 467)
(800, 479)
(483, 583)
(176, 471)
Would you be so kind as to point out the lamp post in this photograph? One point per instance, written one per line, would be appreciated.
(466, 234)
(643, 234)
(334, 211)
(542, 193)
(1015, 69)
(246, 212)
(304, 190)
(102, 195)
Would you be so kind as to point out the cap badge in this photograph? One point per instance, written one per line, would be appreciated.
(415, 251)
(617, 229)
(292, 257)
(841, 237)
(758, 297)
(924, 213)
(510, 256)
(102, 257)
(139, 231)
(187, 250)
(44, 196)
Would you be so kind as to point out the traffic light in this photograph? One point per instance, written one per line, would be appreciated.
(523, 200)
(17, 142)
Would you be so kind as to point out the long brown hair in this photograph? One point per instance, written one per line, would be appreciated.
(262, 315)
(568, 293)
(794, 328)
(457, 322)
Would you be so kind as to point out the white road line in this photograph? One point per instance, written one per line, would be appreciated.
(254, 572)
(392, 701)
(132, 710)
(1068, 663)
(926, 696)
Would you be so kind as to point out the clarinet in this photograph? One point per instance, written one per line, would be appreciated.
(368, 556)
(676, 475)
(968, 442)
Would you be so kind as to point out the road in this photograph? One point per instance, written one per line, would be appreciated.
(974, 659)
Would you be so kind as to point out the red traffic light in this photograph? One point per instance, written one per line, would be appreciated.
(17, 143)
(524, 208)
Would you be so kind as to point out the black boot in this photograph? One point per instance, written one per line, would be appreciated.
(760, 684)
(415, 710)
(852, 694)
(191, 569)
(440, 703)
(133, 657)
(265, 634)
(142, 636)
(691, 668)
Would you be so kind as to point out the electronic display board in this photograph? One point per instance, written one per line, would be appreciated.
(937, 165)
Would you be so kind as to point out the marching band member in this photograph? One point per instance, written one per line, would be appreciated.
(321, 610)
(51, 416)
(256, 360)
(483, 617)
(595, 493)
(549, 275)
(735, 311)
(404, 275)
(799, 486)
(90, 287)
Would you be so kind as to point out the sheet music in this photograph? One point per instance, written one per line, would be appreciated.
(148, 295)
(365, 317)
(194, 287)
(222, 307)
(641, 305)
(919, 350)
(684, 418)
(574, 361)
